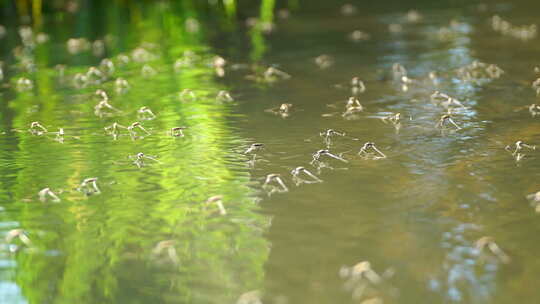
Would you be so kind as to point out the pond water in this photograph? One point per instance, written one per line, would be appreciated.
(438, 210)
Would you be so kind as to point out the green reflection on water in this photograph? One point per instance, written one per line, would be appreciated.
(102, 248)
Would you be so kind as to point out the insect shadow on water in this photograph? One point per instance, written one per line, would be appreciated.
(370, 151)
(274, 184)
(519, 146)
(47, 193)
(140, 159)
(89, 186)
(302, 176)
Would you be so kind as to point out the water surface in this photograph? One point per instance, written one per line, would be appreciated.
(150, 236)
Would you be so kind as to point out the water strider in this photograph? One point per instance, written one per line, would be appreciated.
(302, 176)
(132, 129)
(518, 147)
(274, 184)
(37, 129)
(284, 110)
(89, 186)
(370, 151)
(47, 193)
(140, 159)
(445, 120)
(177, 131)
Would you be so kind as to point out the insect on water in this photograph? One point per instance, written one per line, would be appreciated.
(445, 120)
(114, 130)
(317, 155)
(328, 134)
(352, 107)
(519, 146)
(101, 108)
(370, 151)
(302, 176)
(37, 129)
(47, 193)
(140, 159)
(319, 163)
(273, 183)
(133, 133)
(89, 186)
(177, 131)
(284, 110)
(253, 149)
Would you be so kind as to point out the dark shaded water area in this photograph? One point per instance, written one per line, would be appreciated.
(444, 213)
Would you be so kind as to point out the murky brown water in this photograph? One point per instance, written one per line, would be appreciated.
(417, 210)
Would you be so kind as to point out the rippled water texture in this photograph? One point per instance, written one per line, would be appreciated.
(156, 193)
